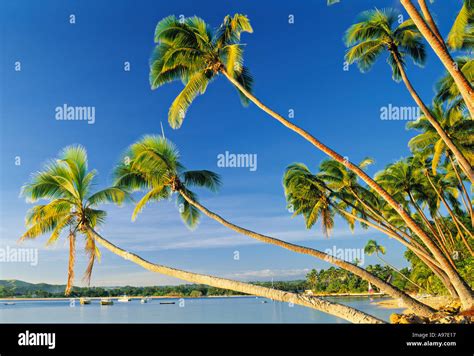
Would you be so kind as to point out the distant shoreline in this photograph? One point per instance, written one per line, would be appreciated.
(188, 297)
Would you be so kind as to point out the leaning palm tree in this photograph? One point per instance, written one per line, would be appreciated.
(354, 203)
(189, 51)
(439, 47)
(153, 165)
(66, 183)
(375, 34)
(373, 247)
(460, 129)
(72, 207)
(447, 91)
(460, 37)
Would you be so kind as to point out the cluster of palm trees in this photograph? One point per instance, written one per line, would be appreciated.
(422, 201)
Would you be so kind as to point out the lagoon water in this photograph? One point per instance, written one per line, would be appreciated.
(199, 310)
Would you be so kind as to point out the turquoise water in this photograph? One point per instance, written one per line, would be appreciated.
(200, 310)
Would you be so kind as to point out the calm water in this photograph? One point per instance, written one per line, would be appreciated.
(201, 310)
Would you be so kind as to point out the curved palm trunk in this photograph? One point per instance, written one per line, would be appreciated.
(399, 272)
(418, 251)
(464, 291)
(456, 221)
(463, 162)
(439, 48)
(465, 196)
(339, 310)
(430, 227)
(409, 302)
(72, 258)
(429, 19)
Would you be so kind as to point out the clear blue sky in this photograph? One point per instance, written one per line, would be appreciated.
(296, 66)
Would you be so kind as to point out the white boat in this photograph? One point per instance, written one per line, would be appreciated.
(144, 300)
(124, 299)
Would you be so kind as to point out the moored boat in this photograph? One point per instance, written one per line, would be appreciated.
(84, 301)
(123, 299)
(106, 301)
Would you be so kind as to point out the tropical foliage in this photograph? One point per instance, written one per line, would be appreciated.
(193, 53)
(152, 165)
(72, 207)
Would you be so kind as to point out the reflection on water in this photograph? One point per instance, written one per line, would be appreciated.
(199, 310)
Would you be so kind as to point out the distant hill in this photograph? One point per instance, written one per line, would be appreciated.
(16, 288)
(21, 287)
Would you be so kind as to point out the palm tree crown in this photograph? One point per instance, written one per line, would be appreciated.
(188, 50)
(66, 183)
(456, 126)
(373, 247)
(375, 33)
(153, 165)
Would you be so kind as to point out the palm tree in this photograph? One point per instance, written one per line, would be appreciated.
(353, 203)
(152, 165)
(460, 37)
(376, 33)
(66, 183)
(336, 309)
(456, 126)
(461, 34)
(461, 131)
(188, 52)
(373, 247)
(447, 90)
(439, 48)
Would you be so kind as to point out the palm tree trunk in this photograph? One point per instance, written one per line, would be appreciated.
(433, 231)
(465, 196)
(413, 304)
(464, 291)
(440, 49)
(399, 272)
(339, 310)
(417, 250)
(72, 258)
(463, 162)
(456, 221)
(430, 21)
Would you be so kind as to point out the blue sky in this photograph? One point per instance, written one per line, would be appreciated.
(296, 67)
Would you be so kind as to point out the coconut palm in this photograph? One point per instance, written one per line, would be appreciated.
(376, 33)
(441, 51)
(459, 129)
(461, 34)
(352, 203)
(153, 165)
(373, 247)
(447, 90)
(66, 183)
(187, 51)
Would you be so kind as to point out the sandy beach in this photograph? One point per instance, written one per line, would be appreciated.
(435, 302)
